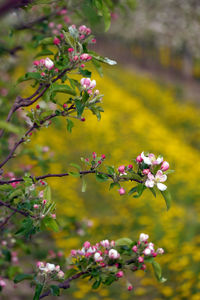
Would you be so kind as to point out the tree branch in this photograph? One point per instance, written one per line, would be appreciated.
(8, 5)
(6, 220)
(22, 140)
(26, 214)
(2, 182)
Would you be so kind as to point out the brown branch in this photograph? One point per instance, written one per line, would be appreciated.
(2, 182)
(9, 5)
(23, 139)
(64, 285)
(19, 211)
(6, 220)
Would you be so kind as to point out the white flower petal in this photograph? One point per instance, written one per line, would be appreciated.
(161, 186)
(149, 183)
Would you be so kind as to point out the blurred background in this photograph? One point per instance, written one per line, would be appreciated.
(152, 103)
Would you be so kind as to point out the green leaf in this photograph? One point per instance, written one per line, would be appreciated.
(153, 191)
(79, 107)
(96, 284)
(123, 242)
(85, 73)
(55, 291)
(167, 196)
(70, 125)
(62, 88)
(114, 184)
(84, 185)
(46, 41)
(29, 76)
(9, 127)
(158, 272)
(111, 170)
(101, 177)
(140, 188)
(102, 59)
(98, 67)
(47, 193)
(38, 291)
(21, 277)
(44, 52)
(50, 223)
(74, 174)
(75, 166)
(69, 39)
(70, 273)
(132, 190)
(106, 16)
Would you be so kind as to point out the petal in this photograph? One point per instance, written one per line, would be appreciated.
(151, 176)
(149, 183)
(161, 186)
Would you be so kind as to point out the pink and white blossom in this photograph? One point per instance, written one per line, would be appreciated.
(143, 237)
(156, 180)
(151, 159)
(113, 254)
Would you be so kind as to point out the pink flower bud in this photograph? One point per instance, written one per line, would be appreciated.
(140, 259)
(35, 206)
(120, 274)
(121, 169)
(37, 106)
(103, 156)
(122, 191)
(53, 216)
(83, 119)
(99, 162)
(65, 105)
(93, 41)
(82, 66)
(94, 155)
(56, 70)
(60, 254)
(44, 201)
(146, 171)
(75, 58)
(61, 274)
(130, 287)
(139, 159)
(165, 166)
(59, 26)
(86, 245)
(56, 41)
(143, 267)
(63, 11)
(112, 244)
(130, 166)
(73, 252)
(70, 50)
(134, 248)
(57, 268)
(82, 36)
(2, 283)
(154, 254)
(51, 25)
(36, 63)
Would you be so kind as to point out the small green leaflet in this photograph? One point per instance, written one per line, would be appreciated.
(123, 242)
(75, 166)
(23, 276)
(47, 193)
(167, 196)
(101, 177)
(84, 185)
(114, 184)
(79, 107)
(29, 76)
(38, 291)
(9, 127)
(70, 125)
(62, 88)
(55, 291)
(74, 174)
(158, 272)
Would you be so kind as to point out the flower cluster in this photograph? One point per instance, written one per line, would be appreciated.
(144, 249)
(51, 270)
(153, 168)
(88, 85)
(95, 161)
(44, 66)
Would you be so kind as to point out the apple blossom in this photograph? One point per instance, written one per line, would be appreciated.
(150, 159)
(147, 251)
(98, 257)
(140, 259)
(157, 179)
(120, 274)
(160, 251)
(143, 237)
(139, 159)
(48, 63)
(135, 248)
(113, 254)
(130, 287)
(61, 274)
(121, 169)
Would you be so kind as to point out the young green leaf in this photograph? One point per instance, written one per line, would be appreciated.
(167, 196)
(23, 276)
(38, 291)
(123, 242)
(101, 177)
(55, 291)
(70, 125)
(84, 185)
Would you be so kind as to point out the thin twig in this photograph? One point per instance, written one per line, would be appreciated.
(6, 220)
(19, 211)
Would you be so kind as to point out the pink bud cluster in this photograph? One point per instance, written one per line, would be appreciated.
(44, 66)
(88, 85)
(123, 172)
(143, 249)
(50, 269)
(11, 176)
(148, 164)
(96, 160)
